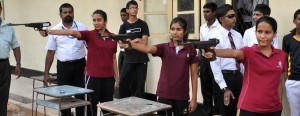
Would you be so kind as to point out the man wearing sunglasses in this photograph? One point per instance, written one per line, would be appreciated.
(226, 71)
(70, 54)
(206, 76)
(249, 37)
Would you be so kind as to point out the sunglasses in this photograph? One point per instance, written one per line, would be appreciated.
(230, 16)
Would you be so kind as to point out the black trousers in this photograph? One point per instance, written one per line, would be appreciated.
(247, 113)
(234, 83)
(121, 61)
(179, 107)
(133, 75)
(5, 78)
(207, 86)
(103, 92)
(120, 64)
(72, 73)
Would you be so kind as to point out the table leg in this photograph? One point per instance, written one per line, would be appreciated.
(59, 110)
(44, 106)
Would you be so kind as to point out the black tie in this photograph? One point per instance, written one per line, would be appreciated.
(233, 47)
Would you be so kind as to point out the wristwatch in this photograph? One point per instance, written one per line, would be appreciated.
(224, 89)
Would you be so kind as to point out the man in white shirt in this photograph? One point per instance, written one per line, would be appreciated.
(226, 71)
(250, 37)
(206, 76)
(70, 55)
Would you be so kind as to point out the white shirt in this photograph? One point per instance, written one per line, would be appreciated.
(225, 63)
(206, 31)
(67, 47)
(250, 38)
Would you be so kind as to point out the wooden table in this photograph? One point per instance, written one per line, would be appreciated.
(62, 95)
(133, 106)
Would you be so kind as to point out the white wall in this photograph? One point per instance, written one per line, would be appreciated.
(33, 45)
(283, 11)
(27, 11)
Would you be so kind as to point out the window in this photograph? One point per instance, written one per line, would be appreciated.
(189, 10)
(157, 15)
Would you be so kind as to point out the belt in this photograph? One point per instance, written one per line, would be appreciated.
(231, 71)
(294, 79)
(2, 60)
(72, 61)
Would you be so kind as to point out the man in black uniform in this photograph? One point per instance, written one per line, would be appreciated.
(135, 63)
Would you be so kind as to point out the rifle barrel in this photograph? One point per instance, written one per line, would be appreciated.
(10, 24)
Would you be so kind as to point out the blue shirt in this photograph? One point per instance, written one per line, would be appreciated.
(7, 39)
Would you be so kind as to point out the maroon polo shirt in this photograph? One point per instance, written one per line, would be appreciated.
(261, 80)
(100, 54)
(174, 76)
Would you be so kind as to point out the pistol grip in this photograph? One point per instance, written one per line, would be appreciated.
(46, 33)
(129, 45)
(214, 57)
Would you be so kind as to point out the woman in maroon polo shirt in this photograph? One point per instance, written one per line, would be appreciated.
(261, 93)
(177, 62)
(101, 68)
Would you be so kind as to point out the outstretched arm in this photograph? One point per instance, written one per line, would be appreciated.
(73, 33)
(140, 47)
(230, 53)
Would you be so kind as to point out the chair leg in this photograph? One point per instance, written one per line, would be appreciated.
(91, 105)
(32, 97)
(36, 105)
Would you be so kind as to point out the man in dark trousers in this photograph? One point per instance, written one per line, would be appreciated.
(206, 76)
(124, 17)
(135, 63)
(70, 55)
(8, 41)
(227, 70)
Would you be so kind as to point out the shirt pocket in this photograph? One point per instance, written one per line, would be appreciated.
(79, 43)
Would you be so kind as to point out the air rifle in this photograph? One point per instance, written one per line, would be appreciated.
(37, 26)
(203, 45)
(120, 37)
